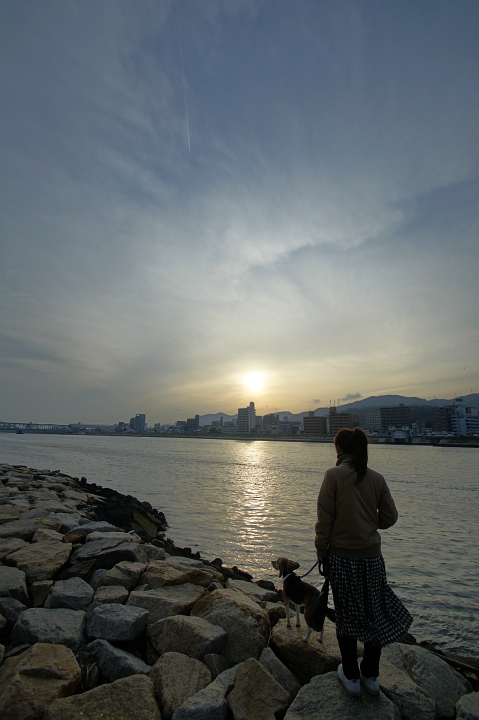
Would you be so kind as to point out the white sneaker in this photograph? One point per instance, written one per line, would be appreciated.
(371, 684)
(352, 686)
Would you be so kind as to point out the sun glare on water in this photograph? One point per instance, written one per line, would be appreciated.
(254, 382)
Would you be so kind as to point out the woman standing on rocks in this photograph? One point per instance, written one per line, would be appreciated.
(353, 503)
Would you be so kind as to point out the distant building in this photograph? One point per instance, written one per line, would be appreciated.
(246, 419)
(193, 424)
(315, 424)
(398, 417)
(457, 419)
(372, 421)
(337, 421)
(270, 421)
(138, 423)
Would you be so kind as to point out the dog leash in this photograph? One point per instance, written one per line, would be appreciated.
(311, 570)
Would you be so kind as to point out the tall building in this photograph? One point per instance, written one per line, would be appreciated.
(314, 424)
(193, 424)
(246, 419)
(138, 423)
(398, 417)
(372, 420)
(338, 420)
(270, 420)
(457, 419)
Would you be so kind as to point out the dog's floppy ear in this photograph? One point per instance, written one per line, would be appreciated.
(294, 565)
(274, 563)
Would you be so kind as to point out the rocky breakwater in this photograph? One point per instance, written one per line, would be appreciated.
(101, 616)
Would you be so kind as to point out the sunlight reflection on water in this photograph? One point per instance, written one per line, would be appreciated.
(249, 502)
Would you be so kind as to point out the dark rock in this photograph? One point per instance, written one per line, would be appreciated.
(11, 610)
(82, 570)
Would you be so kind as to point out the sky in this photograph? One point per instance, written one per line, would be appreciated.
(205, 203)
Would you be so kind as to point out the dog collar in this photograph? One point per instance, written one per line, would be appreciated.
(285, 577)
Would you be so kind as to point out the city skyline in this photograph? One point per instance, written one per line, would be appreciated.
(286, 210)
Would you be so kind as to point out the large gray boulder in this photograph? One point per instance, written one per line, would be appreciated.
(193, 636)
(253, 591)
(245, 622)
(61, 626)
(411, 700)
(207, 704)
(115, 663)
(11, 609)
(256, 694)
(326, 698)
(306, 659)
(111, 594)
(79, 532)
(467, 708)
(117, 622)
(280, 672)
(40, 561)
(123, 573)
(74, 594)
(25, 529)
(175, 678)
(68, 521)
(108, 553)
(168, 600)
(161, 572)
(433, 675)
(124, 699)
(31, 681)
(9, 545)
(13, 584)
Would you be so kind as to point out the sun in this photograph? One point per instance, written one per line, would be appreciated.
(254, 381)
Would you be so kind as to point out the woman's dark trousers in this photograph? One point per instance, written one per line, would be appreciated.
(349, 653)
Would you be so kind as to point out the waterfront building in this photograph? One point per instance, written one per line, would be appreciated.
(372, 421)
(457, 418)
(193, 424)
(269, 421)
(399, 417)
(246, 421)
(138, 423)
(314, 424)
(338, 420)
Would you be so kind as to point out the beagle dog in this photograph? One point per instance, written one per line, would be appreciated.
(301, 594)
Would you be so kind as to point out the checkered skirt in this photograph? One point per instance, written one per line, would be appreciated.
(366, 607)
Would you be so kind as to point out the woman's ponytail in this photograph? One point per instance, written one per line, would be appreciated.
(355, 443)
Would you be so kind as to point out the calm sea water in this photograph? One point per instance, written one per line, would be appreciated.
(248, 502)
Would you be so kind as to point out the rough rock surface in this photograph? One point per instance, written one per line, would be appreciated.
(161, 572)
(123, 573)
(325, 697)
(276, 612)
(207, 704)
(9, 545)
(43, 534)
(108, 553)
(124, 699)
(39, 592)
(193, 636)
(467, 708)
(11, 609)
(111, 594)
(280, 672)
(117, 622)
(74, 594)
(168, 600)
(215, 663)
(432, 674)
(30, 682)
(245, 622)
(13, 584)
(79, 533)
(256, 694)
(40, 561)
(253, 591)
(39, 625)
(176, 677)
(411, 700)
(82, 570)
(115, 663)
(306, 659)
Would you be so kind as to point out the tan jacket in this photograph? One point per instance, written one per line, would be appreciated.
(350, 513)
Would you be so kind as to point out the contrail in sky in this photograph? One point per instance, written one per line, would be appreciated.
(184, 83)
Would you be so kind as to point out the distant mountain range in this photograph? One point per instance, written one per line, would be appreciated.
(368, 404)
